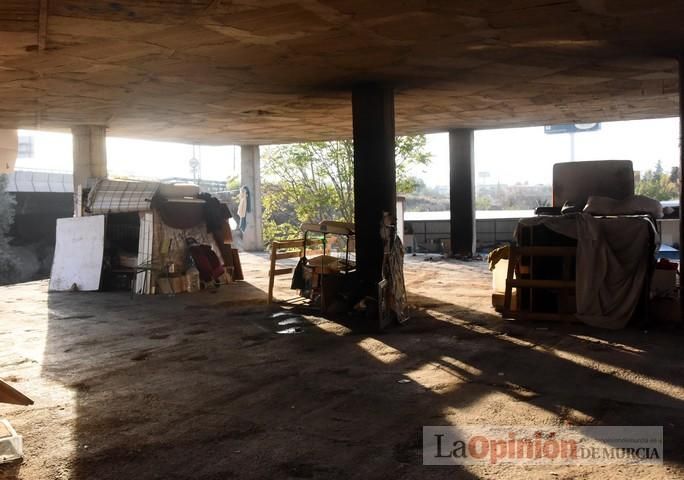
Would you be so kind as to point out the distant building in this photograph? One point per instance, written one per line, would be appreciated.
(209, 186)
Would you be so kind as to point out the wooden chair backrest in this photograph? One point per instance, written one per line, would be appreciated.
(283, 249)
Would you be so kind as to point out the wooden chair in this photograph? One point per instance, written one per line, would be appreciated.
(283, 249)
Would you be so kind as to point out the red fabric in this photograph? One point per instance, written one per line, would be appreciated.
(207, 262)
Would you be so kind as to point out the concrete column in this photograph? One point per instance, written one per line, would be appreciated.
(401, 208)
(90, 153)
(250, 176)
(9, 144)
(374, 177)
(462, 191)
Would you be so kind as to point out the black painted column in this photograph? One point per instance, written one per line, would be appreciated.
(374, 177)
(681, 176)
(462, 191)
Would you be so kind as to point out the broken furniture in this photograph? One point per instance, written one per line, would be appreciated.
(117, 238)
(565, 285)
(328, 275)
(167, 283)
(593, 266)
(149, 269)
(11, 443)
(9, 394)
(282, 250)
(498, 264)
(392, 297)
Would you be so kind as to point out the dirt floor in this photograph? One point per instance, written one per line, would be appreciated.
(203, 385)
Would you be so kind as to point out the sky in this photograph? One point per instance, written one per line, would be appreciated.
(508, 156)
(135, 158)
(519, 155)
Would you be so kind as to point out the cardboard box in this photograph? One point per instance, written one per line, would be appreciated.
(663, 283)
(665, 310)
(169, 285)
(498, 301)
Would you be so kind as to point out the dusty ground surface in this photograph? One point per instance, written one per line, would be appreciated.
(202, 386)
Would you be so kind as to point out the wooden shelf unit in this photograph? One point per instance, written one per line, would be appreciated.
(522, 277)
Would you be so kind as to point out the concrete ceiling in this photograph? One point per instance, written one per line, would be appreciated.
(273, 71)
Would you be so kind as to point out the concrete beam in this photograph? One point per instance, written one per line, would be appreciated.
(90, 153)
(374, 177)
(250, 177)
(462, 191)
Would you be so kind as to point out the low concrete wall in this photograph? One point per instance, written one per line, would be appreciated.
(428, 235)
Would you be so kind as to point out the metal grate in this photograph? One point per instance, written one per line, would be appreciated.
(111, 196)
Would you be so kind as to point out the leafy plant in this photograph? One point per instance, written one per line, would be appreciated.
(9, 267)
(310, 182)
(657, 185)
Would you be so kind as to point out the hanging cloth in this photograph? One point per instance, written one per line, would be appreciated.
(207, 262)
(298, 280)
(244, 207)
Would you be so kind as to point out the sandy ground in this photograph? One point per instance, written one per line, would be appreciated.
(203, 386)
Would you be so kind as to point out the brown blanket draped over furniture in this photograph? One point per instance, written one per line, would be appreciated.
(593, 265)
(613, 263)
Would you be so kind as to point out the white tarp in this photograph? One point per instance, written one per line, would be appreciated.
(78, 256)
(115, 196)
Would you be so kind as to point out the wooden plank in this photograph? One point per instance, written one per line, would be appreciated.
(547, 251)
(281, 271)
(543, 316)
(299, 242)
(325, 228)
(524, 283)
(532, 252)
(237, 266)
(348, 226)
(271, 279)
(512, 260)
(283, 256)
(295, 243)
(9, 394)
(565, 306)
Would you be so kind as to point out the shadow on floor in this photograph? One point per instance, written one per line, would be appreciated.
(205, 387)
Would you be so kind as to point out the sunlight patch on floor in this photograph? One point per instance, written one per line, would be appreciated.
(436, 378)
(664, 388)
(329, 327)
(381, 351)
(667, 389)
(461, 366)
(22, 363)
(614, 345)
